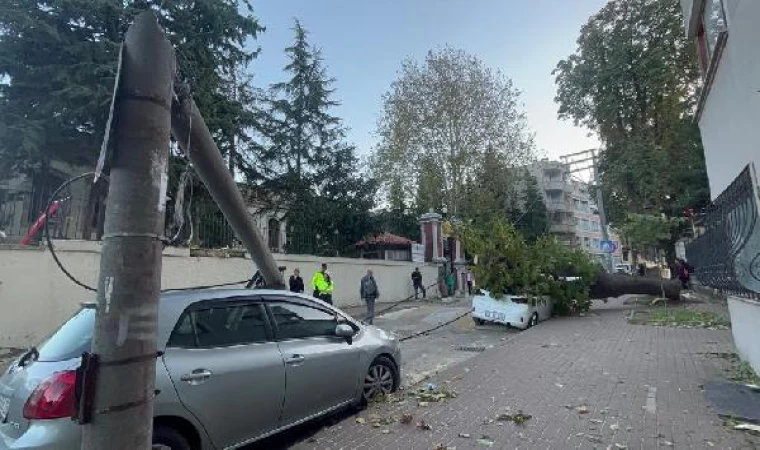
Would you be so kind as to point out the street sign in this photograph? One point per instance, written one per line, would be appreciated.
(608, 246)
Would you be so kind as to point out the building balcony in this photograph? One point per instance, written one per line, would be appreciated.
(562, 228)
(557, 185)
(559, 206)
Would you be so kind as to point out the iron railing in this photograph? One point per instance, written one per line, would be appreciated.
(727, 255)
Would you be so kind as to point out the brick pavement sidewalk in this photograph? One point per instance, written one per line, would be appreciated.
(640, 384)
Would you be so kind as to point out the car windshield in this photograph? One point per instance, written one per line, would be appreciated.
(72, 339)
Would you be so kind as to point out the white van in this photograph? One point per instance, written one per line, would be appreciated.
(514, 310)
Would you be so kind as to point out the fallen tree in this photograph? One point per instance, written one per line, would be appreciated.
(607, 285)
(507, 264)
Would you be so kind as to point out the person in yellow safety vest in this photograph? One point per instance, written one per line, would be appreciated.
(323, 285)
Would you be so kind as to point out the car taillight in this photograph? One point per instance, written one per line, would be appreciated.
(54, 398)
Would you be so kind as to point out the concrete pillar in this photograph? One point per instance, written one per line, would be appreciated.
(432, 237)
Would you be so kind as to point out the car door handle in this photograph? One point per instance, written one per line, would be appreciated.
(295, 359)
(197, 376)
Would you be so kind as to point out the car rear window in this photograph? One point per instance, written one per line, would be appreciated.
(72, 339)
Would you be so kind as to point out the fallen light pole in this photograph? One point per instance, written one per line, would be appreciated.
(194, 138)
(117, 379)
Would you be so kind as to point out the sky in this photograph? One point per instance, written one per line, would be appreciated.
(363, 43)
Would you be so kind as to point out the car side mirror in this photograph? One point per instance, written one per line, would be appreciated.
(346, 332)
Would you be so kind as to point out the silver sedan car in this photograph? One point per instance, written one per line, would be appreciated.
(237, 366)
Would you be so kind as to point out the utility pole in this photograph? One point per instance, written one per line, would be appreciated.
(129, 284)
(194, 138)
(587, 161)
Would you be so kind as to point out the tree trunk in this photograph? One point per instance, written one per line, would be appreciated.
(616, 285)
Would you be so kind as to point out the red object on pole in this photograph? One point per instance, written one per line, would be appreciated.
(39, 223)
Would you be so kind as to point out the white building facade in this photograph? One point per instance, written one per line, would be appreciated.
(727, 35)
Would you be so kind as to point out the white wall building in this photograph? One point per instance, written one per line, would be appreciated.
(727, 35)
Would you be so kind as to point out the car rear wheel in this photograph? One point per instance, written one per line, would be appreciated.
(533, 320)
(165, 438)
(479, 321)
(380, 379)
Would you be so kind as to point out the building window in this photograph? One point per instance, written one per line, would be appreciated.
(711, 23)
(273, 234)
(714, 21)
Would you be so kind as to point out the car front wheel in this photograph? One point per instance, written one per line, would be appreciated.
(165, 438)
(380, 379)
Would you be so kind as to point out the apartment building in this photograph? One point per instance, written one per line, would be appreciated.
(573, 216)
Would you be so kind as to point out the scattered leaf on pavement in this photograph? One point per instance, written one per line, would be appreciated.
(485, 441)
(361, 420)
(518, 418)
(422, 425)
(406, 419)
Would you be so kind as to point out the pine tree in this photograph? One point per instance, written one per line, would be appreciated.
(58, 63)
(534, 219)
(306, 165)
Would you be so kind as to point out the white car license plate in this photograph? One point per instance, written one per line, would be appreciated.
(5, 405)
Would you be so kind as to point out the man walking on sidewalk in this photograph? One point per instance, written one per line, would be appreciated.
(369, 292)
(417, 282)
(469, 278)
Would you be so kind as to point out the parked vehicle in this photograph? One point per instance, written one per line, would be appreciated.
(626, 269)
(238, 366)
(512, 310)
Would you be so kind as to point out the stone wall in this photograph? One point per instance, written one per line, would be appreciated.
(35, 297)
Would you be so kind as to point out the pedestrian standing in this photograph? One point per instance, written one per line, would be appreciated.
(469, 279)
(369, 292)
(417, 283)
(684, 273)
(296, 282)
(323, 285)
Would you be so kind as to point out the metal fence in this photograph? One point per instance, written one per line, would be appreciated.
(202, 226)
(19, 209)
(727, 255)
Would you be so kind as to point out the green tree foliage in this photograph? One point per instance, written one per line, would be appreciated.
(532, 219)
(441, 120)
(643, 230)
(305, 163)
(633, 80)
(58, 62)
(507, 264)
